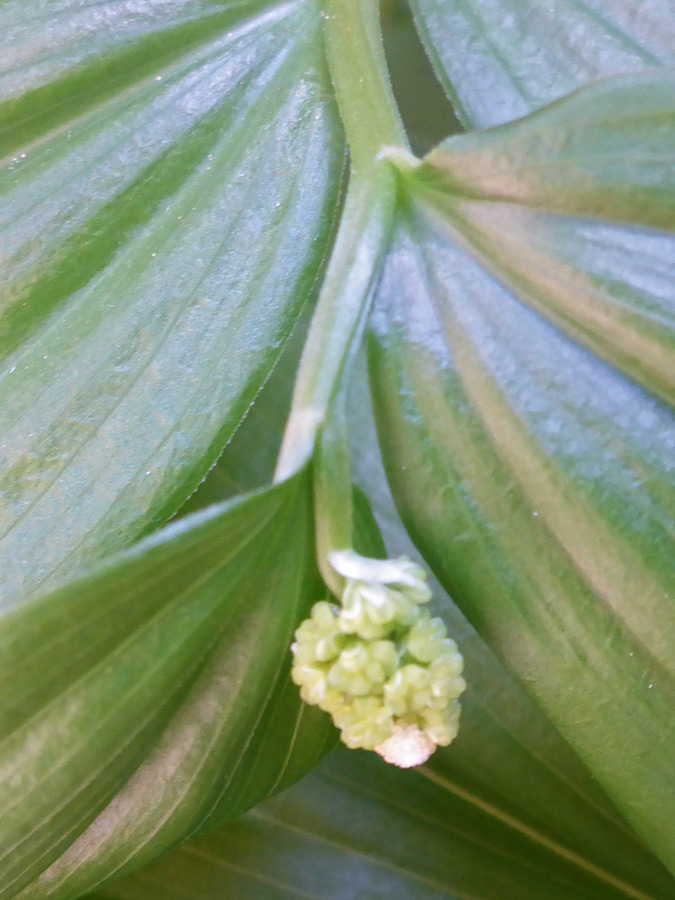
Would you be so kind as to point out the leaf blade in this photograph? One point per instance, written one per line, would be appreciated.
(349, 825)
(355, 824)
(161, 257)
(502, 59)
(178, 714)
(466, 379)
(508, 757)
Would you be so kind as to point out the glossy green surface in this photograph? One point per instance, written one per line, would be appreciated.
(509, 773)
(538, 483)
(167, 191)
(357, 828)
(500, 59)
(151, 698)
(169, 178)
(506, 813)
(508, 758)
(577, 215)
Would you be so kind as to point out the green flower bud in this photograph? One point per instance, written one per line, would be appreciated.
(366, 724)
(312, 682)
(318, 638)
(371, 611)
(362, 668)
(442, 725)
(333, 702)
(408, 691)
(428, 640)
(380, 665)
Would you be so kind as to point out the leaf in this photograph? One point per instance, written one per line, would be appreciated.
(249, 460)
(356, 827)
(508, 759)
(506, 809)
(288, 738)
(156, 251)
(501, 59)
(151, 698)
(577, 215)
(548, 506)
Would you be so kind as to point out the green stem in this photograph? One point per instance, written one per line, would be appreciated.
(333, 488)
(371, 120)
(361, 243)
(359, 73)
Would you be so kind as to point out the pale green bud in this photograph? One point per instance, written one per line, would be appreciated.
(442, 725)
(312, 682)
(408, 691)
(380, 665)
(318, 638)
(366, 724)
(362, 668)
(428, 640)
(371, 611)
(445, 681)
(449, 664)
(333, 702)
(404, 575)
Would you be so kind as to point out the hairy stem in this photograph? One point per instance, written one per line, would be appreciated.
(359, 72)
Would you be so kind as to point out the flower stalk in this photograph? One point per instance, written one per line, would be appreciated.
(376, 661)
(372, 122)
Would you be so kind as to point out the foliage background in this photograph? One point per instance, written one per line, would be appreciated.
(509, 811)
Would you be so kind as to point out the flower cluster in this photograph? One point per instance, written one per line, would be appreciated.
(379, 664)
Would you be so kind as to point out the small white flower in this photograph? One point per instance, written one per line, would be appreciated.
(407, 746)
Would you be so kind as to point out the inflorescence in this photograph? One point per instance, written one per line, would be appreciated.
(384, 669)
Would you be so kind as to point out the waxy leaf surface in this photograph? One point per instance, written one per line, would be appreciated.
(168, 180)
(357, 828)
(501, 59)
(578, 216)
(150, 698)
(506, 812)
(549, 500)
(508, 759)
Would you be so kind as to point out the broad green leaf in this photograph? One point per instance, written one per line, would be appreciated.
(538, 483)
(508, 759)
(170, 174)
(501, 59)
(506, 812)
(249, 460)
(605, 152)
(577, 214)
(357, 828)
(150, 698)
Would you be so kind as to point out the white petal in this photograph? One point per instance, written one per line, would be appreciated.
(408, 746)
(379, 571)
